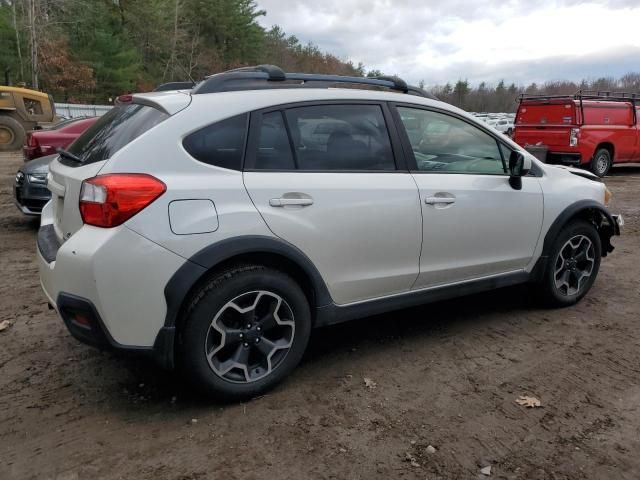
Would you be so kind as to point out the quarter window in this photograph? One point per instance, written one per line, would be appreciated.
(220, 144)
(441, 143)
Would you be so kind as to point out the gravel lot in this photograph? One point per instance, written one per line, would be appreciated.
(447, 375)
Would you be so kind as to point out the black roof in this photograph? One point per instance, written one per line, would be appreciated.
(263, 77)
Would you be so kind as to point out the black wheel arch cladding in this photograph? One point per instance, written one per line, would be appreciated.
(589, 210)
(585, 209)
(192, 271)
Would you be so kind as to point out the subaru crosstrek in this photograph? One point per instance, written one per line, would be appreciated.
(213, 228)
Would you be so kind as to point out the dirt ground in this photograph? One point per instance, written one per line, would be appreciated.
(447, 375)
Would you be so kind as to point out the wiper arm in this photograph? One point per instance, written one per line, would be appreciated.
(66, 154)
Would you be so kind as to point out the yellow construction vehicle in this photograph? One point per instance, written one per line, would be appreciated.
(22, 110)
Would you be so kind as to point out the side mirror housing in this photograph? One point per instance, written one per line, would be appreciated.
(519, 166)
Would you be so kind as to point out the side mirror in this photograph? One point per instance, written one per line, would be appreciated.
(519, 166)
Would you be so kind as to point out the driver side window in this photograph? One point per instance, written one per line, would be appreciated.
(445, 144)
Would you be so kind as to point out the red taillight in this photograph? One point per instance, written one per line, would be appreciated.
(112, 199)
(31, 141)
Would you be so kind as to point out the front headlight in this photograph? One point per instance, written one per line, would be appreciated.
(38, 178)
(607, 196)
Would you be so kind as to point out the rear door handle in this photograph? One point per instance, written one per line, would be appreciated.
(437, 200)
(285, 202)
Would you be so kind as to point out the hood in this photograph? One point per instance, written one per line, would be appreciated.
(39, 165)
(578, 171)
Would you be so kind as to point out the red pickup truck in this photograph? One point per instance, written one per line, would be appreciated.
(591, 129)
(45, 142)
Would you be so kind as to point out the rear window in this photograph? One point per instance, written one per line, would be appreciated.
(118, 127)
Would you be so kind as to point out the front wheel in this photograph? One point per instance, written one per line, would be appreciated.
(573, 264)
(601, 162)
(244, 332)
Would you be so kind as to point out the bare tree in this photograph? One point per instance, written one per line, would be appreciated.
(33, 41)
(17, 30)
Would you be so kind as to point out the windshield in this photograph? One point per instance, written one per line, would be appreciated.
(118, 127)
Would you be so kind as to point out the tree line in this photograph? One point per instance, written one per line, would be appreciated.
(503, 97)
(91, 51)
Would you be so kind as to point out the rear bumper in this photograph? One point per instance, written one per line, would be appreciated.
(564, 158)
(85, 325)
(30, 153)
(548, 154)
(107, 286)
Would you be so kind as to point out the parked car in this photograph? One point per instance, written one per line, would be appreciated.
(46, 141)
(504, 125)
(204, 229)
(588, 129)
(30, 188)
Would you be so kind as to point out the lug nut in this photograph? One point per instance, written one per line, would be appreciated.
(257, 340)
(241, 335)
(245, 344)
(248, 325)
(259, 329)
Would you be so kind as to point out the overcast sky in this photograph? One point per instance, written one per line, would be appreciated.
(480, 40)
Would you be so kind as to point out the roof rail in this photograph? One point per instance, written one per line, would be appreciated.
(262, 77)
(165, 87)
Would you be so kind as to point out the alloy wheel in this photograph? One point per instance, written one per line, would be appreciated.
(602, 163)
(250, 336)
(574, 265)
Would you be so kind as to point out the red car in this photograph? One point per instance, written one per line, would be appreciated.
(590, 129)
(46, 141)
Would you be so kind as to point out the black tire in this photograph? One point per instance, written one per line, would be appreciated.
(210, 305)
(12, 134)
(575, 231)
(601, 162)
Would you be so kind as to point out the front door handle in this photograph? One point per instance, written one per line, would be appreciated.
(437, 200)
(286, 202)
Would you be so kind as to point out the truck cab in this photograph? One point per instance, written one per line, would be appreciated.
(589, 129)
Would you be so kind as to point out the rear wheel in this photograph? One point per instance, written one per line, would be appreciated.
(12, 134)
(245, 331)
(601, 162)
(573, 264)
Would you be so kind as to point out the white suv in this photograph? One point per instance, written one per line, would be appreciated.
(214, 227)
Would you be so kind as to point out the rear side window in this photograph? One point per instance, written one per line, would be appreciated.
(220, 144)
(340, 137)
(118, 127)
(274, 149)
